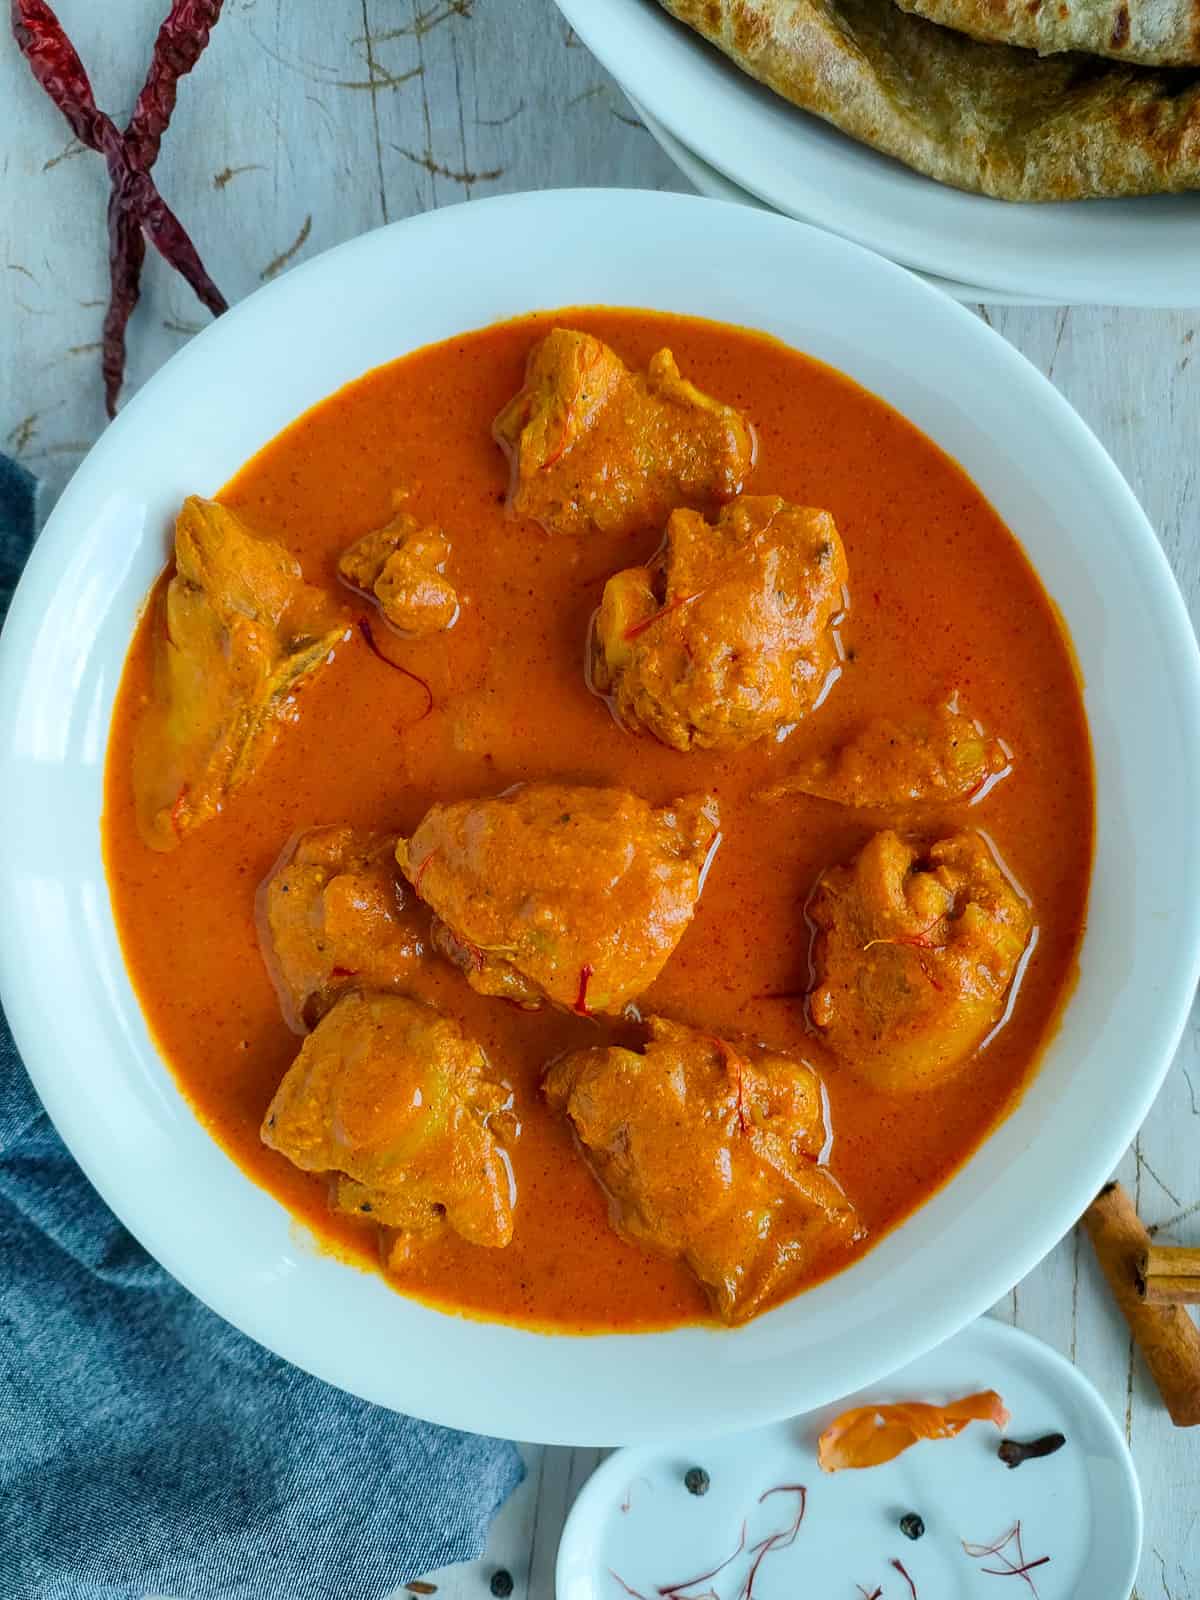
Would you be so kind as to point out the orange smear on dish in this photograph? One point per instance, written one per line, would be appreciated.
(870, 1435)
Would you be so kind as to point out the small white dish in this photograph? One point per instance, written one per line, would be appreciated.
(708, 181)
(1135, 252)
(252, 372)
(1081, 1506)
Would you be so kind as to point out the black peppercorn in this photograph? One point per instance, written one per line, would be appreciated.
(696, 1480)
(502, 1583)
(911, 1526)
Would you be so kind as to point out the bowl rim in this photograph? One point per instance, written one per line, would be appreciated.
(641, 1386)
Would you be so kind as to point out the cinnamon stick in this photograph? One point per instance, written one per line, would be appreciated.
(1169, 1274)
(1165, 1334)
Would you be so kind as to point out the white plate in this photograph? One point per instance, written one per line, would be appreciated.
(232, 389)
(1115, 252)
(1081, 1506)
(708, 181)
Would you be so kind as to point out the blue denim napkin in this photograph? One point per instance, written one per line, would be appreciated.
(148, 1448)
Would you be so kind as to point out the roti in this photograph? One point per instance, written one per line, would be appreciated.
(984, 117)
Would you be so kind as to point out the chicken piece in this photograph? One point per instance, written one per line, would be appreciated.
(593, 445)
(712, 1154)
(914, 953)
(567, 893)
(242, 632)
(403, 567)
(934, 757)
(394, 1099)
(331, 917)
(730, 636)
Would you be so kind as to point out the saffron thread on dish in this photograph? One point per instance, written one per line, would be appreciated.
(903, 1571)
(720, 574)
(674, 1589)
(1017, 1572)
(734, 1066)
(560, 448)
(637, 628)
(741, 1099)
(635, 1483)
(586, 973)
(783, 1540)
(633, 1593)
(420, 872)
(918, 939)
(780, 1540)
(1020, 1568)
(368, 633)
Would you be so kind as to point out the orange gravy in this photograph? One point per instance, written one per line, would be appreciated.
(941, 598)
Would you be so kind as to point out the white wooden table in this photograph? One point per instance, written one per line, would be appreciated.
(310, 121)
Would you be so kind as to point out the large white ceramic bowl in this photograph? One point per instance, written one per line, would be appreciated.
(1135, 252)
(236, 385)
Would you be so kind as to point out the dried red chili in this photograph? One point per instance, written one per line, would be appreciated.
(136, 210)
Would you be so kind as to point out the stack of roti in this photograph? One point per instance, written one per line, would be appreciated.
(1018, 99)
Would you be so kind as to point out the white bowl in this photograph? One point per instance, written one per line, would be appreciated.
(633, 1516)
(1135, 252)
(707, 180)
(234, 387)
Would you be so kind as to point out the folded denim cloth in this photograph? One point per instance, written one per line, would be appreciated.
(146, 1447)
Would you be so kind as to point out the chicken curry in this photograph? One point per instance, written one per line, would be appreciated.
(599, 820)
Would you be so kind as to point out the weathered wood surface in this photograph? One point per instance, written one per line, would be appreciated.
(311, 120)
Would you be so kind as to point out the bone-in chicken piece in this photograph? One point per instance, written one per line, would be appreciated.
(558, 892)
(332, 917)
(914, 954)
(394, 1101)
(729, 636)
(710, 1153)
(241, 633)
(593, 445)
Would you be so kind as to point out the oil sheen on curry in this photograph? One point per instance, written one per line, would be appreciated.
(599, 817)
